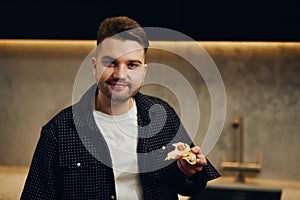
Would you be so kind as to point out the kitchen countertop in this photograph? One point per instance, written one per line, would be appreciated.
(12, 180)
(290, 189)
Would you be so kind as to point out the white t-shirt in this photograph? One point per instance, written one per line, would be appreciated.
(121, 134)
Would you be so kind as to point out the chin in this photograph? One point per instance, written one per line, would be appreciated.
(120, 98)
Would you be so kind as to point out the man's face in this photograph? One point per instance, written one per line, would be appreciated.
(119, 69)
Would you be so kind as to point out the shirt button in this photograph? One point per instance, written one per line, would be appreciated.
(78, 164)
(163, 147)
(112, 197)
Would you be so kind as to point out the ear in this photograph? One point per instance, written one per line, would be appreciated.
(145, 70)
(94, 63)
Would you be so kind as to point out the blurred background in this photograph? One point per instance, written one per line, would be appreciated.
(255, 45)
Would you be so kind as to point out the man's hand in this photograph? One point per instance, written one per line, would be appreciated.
(189, 169)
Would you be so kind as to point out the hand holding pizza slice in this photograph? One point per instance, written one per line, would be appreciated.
(189, 160)
(182, 151)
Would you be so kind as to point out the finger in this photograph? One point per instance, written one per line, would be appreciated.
(196, 150)
(185, 167)
(186, 164)
(201, 156)
(201, 160)
(192, 169)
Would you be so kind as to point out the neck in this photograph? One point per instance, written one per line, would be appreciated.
(105, 105)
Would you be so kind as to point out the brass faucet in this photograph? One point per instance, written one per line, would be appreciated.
(239, 165)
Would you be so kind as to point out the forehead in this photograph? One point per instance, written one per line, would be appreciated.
(117, 48)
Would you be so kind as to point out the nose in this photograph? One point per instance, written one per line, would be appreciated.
(120, 71)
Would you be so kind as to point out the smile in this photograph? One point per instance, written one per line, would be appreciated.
(118, 86)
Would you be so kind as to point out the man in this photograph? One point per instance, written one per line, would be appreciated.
(112, 144)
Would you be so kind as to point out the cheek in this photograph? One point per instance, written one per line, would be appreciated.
(103, 74)
(136, 78)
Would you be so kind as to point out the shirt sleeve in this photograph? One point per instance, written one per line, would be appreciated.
(40, 182)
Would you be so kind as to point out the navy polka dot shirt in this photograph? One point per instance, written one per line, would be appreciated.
(72, 159)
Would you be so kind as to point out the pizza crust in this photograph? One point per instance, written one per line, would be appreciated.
(182, 151)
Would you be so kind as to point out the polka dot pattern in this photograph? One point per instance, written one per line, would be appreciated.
(72, 159)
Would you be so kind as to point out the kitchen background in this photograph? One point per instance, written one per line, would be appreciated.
(254, 45)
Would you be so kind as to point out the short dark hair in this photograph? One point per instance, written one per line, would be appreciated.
(123, 28)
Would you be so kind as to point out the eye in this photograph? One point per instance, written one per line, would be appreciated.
(134, 65)
(108, 62)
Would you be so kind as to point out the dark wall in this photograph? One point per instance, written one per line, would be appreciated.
(201, 20)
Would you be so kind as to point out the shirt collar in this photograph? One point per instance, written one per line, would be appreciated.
(83, 110)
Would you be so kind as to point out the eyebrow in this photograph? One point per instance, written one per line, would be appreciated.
(107, 58)
(113, 59)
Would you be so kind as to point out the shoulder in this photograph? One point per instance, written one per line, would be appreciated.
(63, 117)
(152, 104)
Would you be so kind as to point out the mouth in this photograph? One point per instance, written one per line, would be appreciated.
(118, 85)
